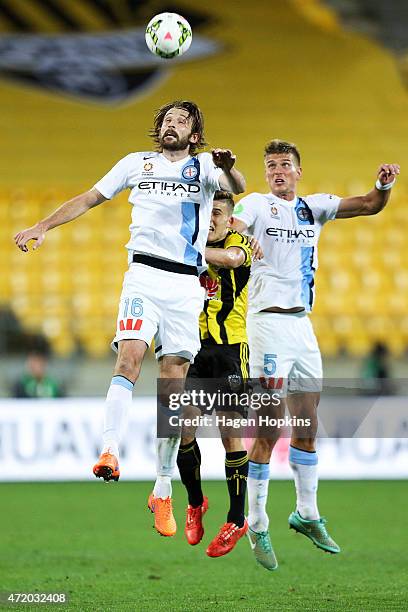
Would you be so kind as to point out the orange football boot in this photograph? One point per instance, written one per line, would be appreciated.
(164, 521)
(107, 467)
(225, 540)
(194, 529)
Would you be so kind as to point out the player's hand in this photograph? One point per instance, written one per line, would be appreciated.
(36, 232)
(388, 173)
(257, 252)
(223, 158)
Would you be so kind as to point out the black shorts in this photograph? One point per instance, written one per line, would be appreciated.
(224, 369)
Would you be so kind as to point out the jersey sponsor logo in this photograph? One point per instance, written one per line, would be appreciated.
(234, 382)
(280, 232)
(210, 285)
(190, 172)
(168, 187)
(271, 382)
(130, 324)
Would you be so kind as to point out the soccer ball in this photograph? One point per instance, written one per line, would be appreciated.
(168, 35)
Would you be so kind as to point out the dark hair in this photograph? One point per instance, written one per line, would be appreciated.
(281, 146)
(196, 128)
(227, 197)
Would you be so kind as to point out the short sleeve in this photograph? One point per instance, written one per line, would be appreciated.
(211, 172)
(238, 240)
(246, 210)
(324, 206)
(116, 180)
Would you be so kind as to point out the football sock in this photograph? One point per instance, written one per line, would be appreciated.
(118, 400)
(258, 482)
(166, 455)
(189, 462)
(304, 467)
(236, 473)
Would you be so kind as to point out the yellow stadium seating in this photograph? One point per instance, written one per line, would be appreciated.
(332, 102)
(70, 288)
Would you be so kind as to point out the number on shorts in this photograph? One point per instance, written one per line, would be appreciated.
(270, 364)
(136, 307)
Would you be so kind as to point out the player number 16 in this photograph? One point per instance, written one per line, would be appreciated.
(136, 307)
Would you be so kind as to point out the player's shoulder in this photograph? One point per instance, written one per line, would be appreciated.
(253, 199)
(205, 159)
(235, 238)
(203, 155)
(320, 199)
(131, 158)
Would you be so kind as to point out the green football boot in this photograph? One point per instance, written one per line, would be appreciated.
(315, 530)
(262, 548)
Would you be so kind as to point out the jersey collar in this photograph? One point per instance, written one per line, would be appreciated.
(291, 203)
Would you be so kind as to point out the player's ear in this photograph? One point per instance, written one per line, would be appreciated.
(299, 173)
(194, 138)
(230, 221)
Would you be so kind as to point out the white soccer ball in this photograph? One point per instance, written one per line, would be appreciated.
(168, 35)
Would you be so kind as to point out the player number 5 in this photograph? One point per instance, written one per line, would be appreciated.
(269, 364)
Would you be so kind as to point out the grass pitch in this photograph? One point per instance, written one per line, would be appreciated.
(95, 542)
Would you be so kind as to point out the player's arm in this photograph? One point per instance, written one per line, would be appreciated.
(241, 227)
(375, 200)
(66, 212)
(231, 179)
(232, 257)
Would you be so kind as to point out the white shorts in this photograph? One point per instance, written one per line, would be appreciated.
(162, 305)
(284, 347)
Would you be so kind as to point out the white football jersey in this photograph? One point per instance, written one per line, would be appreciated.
(171, 203)
(288, 233)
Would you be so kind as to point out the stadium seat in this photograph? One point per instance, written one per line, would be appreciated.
(361, 284)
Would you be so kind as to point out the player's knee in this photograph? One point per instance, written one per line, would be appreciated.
(232, 445)
(262, 449)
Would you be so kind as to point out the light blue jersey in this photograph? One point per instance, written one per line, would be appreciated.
(171, 203)
(288, 233)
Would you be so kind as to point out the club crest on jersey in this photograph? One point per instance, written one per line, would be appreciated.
(234, 382)
(274, 212)
(303, 214)
(189, 173)
(147, 167)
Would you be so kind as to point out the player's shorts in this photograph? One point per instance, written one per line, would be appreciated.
(163, 305)
(284, 350)
(222, 368)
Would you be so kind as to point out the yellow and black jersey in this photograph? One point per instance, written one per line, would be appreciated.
(223, 320)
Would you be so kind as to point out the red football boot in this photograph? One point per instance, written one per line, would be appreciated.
(194, 529)
(225, 540)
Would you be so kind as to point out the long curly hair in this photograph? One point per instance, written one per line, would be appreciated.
(197, 124)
